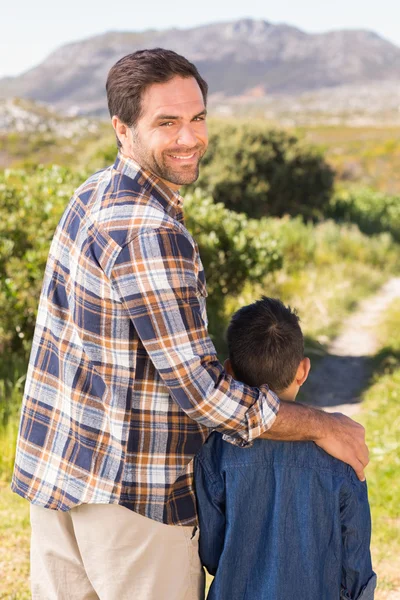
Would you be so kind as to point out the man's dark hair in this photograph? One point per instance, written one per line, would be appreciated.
(265, 344)
(134, 73)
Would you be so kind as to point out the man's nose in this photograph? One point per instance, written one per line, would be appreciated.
(186, 136)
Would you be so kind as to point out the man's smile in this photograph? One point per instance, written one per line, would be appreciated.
(183, 156)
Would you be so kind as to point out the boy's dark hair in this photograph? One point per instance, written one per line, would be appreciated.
(131, 75)
(265, 344)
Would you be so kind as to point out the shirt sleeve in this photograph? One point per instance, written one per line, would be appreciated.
(156, 277)
(358, 578)
(211, 511)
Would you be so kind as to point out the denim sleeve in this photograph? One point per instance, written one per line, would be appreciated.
(358, 578)
(211, 511)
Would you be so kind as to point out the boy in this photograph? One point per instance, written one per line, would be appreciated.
(279, 520)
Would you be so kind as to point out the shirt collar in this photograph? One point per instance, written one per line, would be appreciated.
(170, 200)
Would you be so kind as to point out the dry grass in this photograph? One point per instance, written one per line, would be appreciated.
(364, 155)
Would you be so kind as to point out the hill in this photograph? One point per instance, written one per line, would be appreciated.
(245, 58)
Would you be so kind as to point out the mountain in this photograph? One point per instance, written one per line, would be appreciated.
(242, 58)
(26, 116)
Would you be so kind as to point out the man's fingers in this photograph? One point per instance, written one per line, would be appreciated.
(360, 472)
(360, 475)
(345, 440)
(363, 455)
(365, 459)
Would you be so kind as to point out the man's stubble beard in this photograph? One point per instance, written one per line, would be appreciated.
(178, 178)
(148, 162)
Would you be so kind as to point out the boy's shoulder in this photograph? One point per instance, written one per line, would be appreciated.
(220, 455)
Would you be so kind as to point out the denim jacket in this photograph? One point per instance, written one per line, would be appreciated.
(282, 521)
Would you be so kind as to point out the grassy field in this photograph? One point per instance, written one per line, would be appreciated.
(14, 546)
(368, 156)
(381, 417)
(363, 155)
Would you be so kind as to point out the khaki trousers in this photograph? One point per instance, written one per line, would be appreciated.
(108, 552)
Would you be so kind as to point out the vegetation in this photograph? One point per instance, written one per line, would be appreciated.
(31, 204)
(33, 134)
(14, 546)
(236, 251)
(264, 172)
(372, 211)
(360, 156)
(12, 379)
(381, 417)
(267, 221)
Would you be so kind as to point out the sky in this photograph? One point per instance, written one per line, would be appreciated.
(30, 31)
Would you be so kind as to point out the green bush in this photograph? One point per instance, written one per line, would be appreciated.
(327, 243)
(233, 249)
(296, 239)
(12, 380)
(31, 205)
(264, 172)
(345, 242)
(372, 211)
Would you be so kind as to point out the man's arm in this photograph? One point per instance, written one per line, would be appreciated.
(156, 278)
(335, 433)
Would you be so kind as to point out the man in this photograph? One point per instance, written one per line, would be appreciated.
(124, 385)
(304, 530)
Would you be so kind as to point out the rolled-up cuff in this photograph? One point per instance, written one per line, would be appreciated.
(259, 418)
(367, 593)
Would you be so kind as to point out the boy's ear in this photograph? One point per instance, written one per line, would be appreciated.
(303, 370)
(228, 367)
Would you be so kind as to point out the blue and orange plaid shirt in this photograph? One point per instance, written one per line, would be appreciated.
(124, 385)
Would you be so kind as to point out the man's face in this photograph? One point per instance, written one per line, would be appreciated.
(170, 136)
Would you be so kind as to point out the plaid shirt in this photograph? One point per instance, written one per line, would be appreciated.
(124, 385)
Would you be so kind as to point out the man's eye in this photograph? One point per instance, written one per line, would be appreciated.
(199, 119)
(166, 124)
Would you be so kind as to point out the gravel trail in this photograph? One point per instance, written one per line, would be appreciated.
(339, 378)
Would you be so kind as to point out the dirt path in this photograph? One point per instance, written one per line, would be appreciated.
(339, 378)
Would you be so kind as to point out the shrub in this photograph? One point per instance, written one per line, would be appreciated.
(234, 250)
(296, 240)
(31, 205)
(373, 212)
(263, 172)
(345, 242)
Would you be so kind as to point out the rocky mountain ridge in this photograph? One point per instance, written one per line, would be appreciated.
(238, 59)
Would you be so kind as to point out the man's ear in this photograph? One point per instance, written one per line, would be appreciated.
(228, 367)
(303, 370)
(121, 130)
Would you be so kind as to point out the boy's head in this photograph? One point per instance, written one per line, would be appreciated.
(266, 345)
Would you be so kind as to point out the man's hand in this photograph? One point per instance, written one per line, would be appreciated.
(345, 439)
(337, 434)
